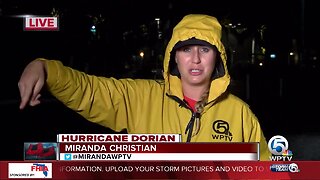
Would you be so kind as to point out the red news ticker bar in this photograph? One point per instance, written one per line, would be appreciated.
(174, 170)
(158, 147)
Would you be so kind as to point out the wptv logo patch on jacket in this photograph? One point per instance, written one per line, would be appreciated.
(35, 23)
(278, 146)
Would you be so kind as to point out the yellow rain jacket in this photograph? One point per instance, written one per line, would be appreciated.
(157, 106)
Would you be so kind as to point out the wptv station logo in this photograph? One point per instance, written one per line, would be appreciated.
(39, 23)
(278, 146)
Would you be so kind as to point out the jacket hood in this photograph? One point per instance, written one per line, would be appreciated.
(204, 28)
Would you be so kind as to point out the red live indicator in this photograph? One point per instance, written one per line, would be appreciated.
(41, 24)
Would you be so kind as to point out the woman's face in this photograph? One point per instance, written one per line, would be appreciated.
(196, 64)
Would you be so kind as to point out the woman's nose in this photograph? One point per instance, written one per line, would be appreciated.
(196, 55)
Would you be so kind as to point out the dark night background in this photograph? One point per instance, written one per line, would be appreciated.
(283, 91)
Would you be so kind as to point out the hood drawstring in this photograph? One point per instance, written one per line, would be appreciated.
(195, 118)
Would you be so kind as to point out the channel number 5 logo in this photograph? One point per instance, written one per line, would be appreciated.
(278, 144)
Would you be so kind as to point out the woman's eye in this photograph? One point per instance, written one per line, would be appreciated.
(186, 49)
(204, 49)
